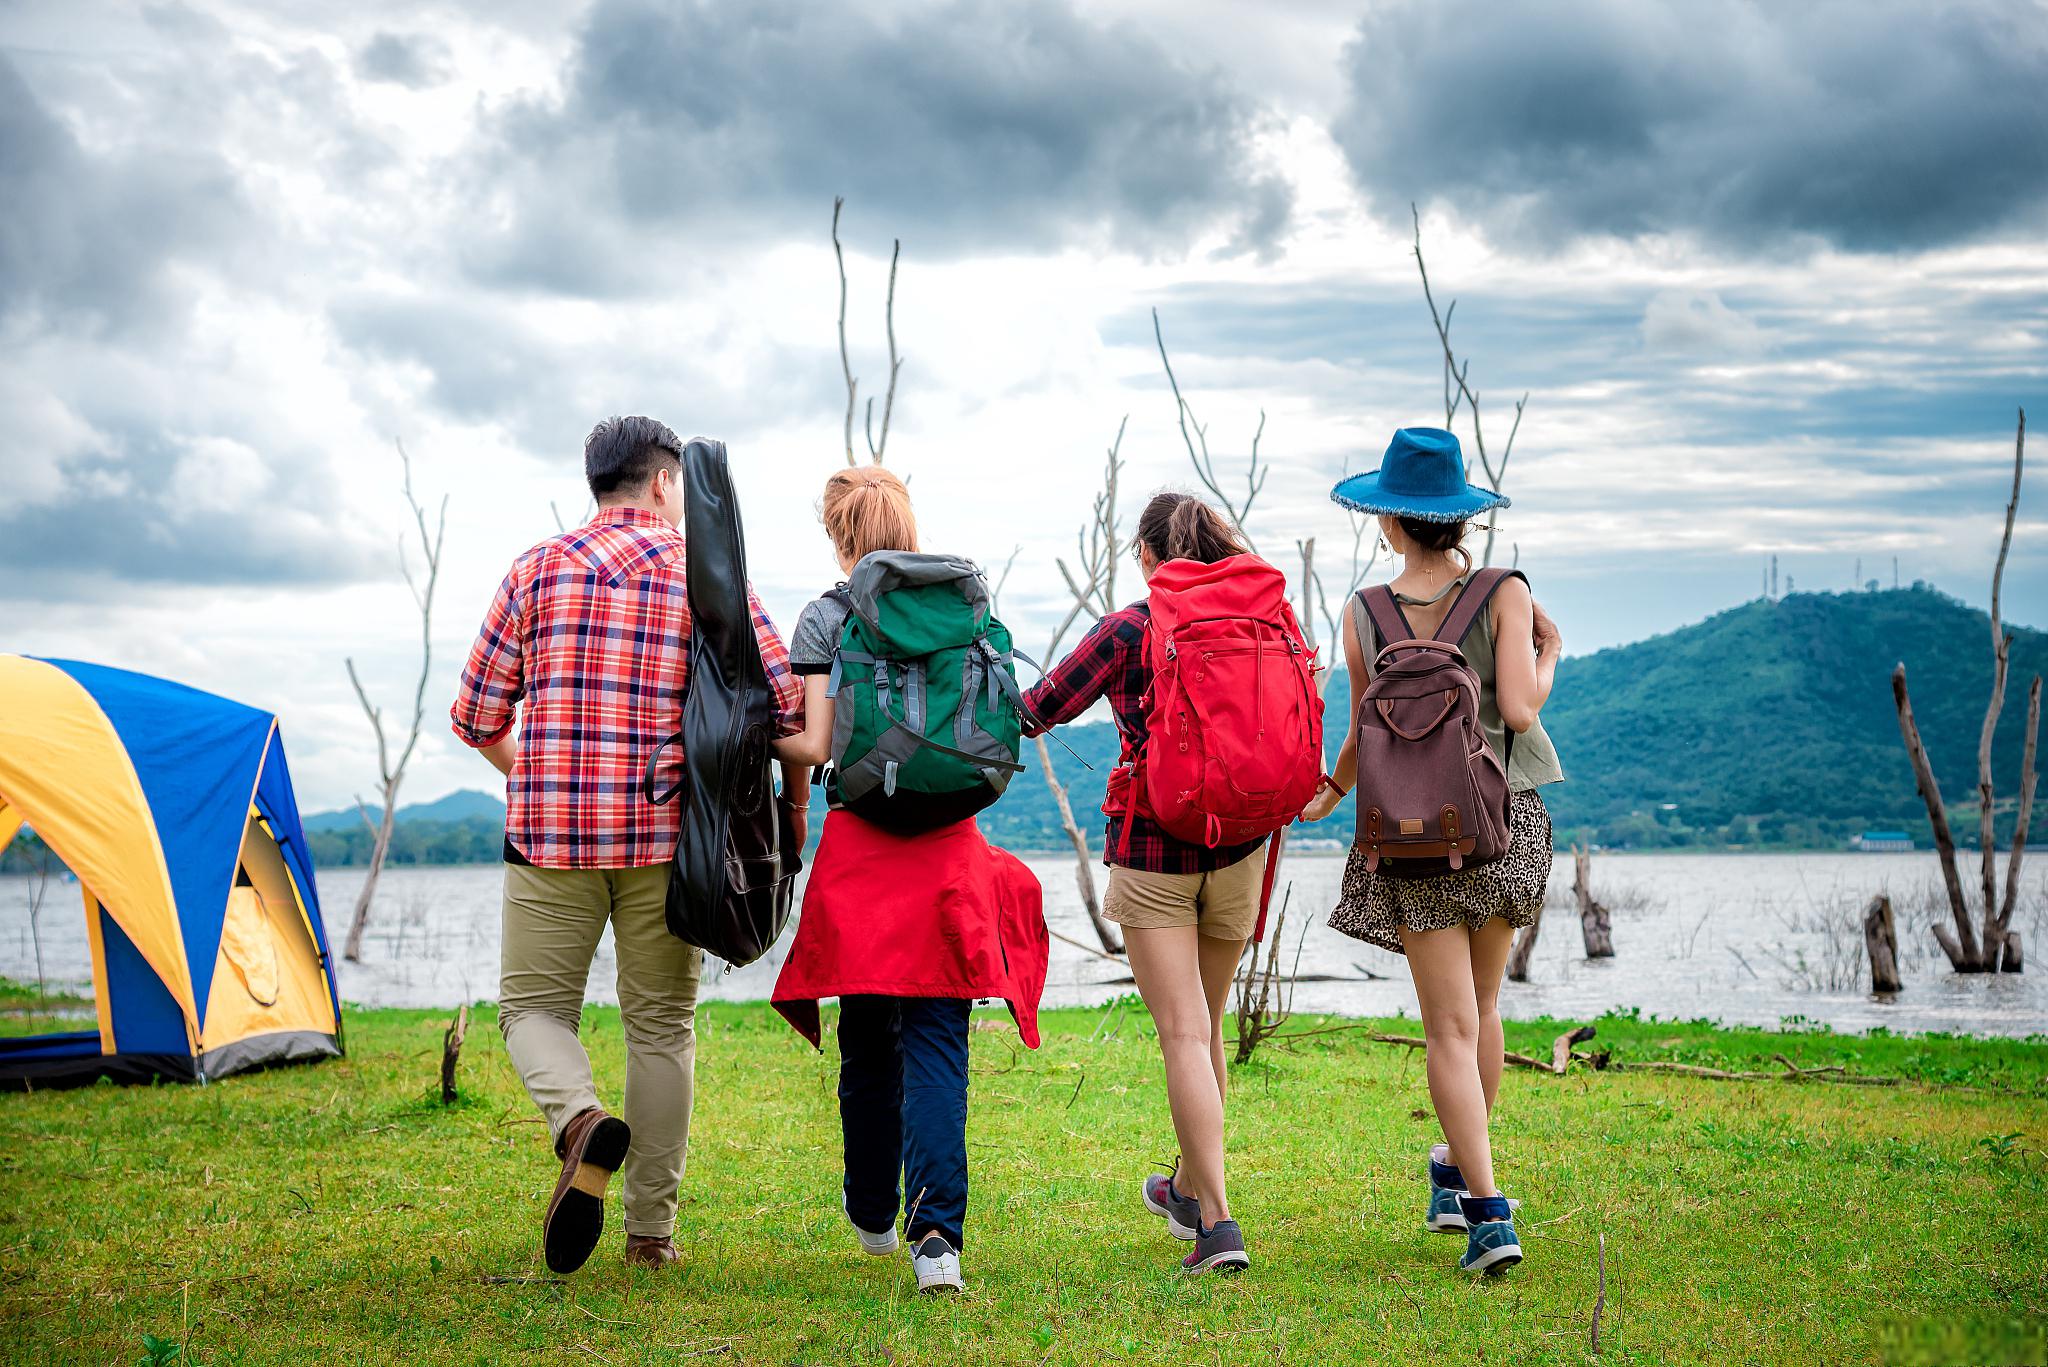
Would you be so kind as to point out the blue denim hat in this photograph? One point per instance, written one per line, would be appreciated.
(1422, 476)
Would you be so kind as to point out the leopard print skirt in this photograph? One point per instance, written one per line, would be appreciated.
(1374, 906)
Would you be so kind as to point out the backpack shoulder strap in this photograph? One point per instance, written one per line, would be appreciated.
(1472, 601)
(1388, 620)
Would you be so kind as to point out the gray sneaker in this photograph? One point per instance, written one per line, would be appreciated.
(937, 1265)
(1218, 1248)
(1183, 1214)
(874, 1245)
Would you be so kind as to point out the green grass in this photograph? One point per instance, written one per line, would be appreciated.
(339, 1213)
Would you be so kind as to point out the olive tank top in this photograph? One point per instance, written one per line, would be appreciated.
(1532, 762)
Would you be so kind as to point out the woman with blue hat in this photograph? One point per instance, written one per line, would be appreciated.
(1476, 646)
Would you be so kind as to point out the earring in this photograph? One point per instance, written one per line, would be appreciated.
(1385, 549)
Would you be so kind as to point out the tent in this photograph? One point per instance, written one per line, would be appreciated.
(174, 809)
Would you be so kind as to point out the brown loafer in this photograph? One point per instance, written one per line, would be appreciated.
(646, 1250)
(593, 1146)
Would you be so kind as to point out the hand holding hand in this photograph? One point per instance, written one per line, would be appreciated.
(1322, 804)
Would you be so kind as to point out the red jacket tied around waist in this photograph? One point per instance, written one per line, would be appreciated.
(941, 914)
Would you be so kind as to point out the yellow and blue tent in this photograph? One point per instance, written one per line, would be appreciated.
(175, 811)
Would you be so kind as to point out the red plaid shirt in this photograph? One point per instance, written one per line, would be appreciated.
(1111, 661)
(592, 629)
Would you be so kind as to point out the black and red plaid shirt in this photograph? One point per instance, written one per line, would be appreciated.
(1110, 661)
(592, 629)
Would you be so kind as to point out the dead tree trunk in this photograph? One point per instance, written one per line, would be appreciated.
(1594, 920)
(451, 1053)
(2010, 961)
(1966, 950)
(391, 773)
(1960, 941)
(1525, 945)
(1881, 944)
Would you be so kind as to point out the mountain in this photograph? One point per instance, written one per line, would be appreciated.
(465, 805)
(1770, 724)
(1775, 720)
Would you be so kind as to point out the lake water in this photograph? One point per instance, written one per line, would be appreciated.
(1751, 939)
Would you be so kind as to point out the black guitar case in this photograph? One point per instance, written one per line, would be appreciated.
(730, 885)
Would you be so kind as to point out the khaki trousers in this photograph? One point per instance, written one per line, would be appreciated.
(553, 920)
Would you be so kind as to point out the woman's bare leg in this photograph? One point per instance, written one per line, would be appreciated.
(1490, 946)
(1167, 962)
(1219, 971)
(1441, 963)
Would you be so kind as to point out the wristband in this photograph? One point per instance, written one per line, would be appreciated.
(783, 798)
(1327, 782)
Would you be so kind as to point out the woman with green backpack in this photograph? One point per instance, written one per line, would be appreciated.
(909, 914)
(1450, 666)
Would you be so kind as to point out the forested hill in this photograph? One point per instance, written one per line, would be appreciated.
(1774, 720)
(1769, 724)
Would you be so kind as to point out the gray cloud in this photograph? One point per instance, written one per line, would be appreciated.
(87, 241)
(1870, 124)
(488, 363)
(977, 125)
(414, 60)
(138, 506)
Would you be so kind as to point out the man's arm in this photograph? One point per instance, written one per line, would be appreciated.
(501, 753)
(493, 680)
(789, 688)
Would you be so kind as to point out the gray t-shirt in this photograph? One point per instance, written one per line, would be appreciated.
(816, 637)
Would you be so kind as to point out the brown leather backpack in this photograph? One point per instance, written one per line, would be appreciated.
(1432, 795)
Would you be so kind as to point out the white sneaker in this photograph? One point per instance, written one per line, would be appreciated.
(876, 1245)
(936, 1264)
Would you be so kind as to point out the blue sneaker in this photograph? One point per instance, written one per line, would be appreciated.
(1490, 1243)
(1183, 1214)
(1446, 1185)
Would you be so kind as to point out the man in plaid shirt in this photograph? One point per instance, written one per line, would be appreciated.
(590, 631)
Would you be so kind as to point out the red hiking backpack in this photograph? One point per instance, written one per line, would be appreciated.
(1234, 725)
(1432, 795)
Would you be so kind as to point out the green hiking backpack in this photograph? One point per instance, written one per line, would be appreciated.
(925, 726)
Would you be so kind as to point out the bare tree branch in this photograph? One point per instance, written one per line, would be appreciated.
(1458, 390)
(391, 773)
(1100, 548)
(878, 446)
(845, 363)
(2001, 661)
(1195, 437)
(2026, 811)
(876, 449)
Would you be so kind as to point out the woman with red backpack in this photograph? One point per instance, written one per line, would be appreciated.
(1450, 667)
(1212, 690)
(908, 917)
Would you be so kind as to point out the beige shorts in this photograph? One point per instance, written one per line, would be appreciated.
(1222, 904)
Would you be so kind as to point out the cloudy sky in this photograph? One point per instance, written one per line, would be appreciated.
(1775, 278)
